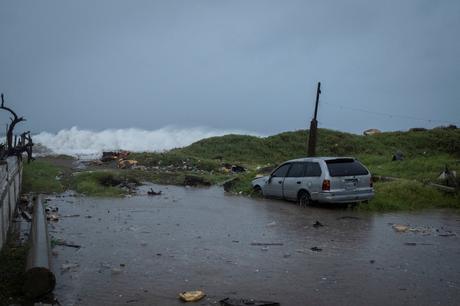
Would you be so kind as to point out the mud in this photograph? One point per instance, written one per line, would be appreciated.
(144, 250)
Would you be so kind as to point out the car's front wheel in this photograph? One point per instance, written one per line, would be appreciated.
(257, 190)
(304, 198)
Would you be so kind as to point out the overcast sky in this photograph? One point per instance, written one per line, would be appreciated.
(246, 65)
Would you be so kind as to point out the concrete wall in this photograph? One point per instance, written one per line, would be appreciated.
(10, 188)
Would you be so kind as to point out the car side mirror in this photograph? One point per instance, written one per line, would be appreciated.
(270, 179)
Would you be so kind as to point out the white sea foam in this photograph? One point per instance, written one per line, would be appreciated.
(86, 143)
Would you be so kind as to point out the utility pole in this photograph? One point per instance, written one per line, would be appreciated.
(314, 126)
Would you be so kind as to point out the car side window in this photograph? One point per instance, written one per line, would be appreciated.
(313, 169)
(281, 171)
(297, 170)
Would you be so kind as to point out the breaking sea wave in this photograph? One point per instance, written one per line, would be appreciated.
(86, 143)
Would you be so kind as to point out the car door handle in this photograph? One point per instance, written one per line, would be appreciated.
(279, 182)
(299, 182)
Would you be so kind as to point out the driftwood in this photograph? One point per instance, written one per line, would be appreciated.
(20, 145)
(442, 187)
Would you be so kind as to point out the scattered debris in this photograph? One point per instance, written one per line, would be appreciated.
(126, 163)
(266, 244)
(448, 180)
(63, 243)
(52, 216)
(400, 228)
(191, 180)
(153, 192)
(69, 266)
(272, 224)
(316, 249)
(443, 188)
(447, 235)
(417, 129)
(347, 218)
(317, 224)
(245, 302)
(110, 156)
(228, 185)
(26, 215)
(370, 132)
(238, 169)
(226, 167)
(398, 156)
(192, 296)
(70, 216)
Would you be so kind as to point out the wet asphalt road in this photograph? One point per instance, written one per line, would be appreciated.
(145, 250)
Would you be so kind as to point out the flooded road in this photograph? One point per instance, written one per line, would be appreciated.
(145, 250)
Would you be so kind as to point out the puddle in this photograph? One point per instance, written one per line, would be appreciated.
(144, 250)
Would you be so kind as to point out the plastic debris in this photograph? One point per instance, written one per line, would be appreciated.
(244, 302)
(69, 266)
(400, 228)
(266, 244)
(192, 296)
(153, 192)
(317, 224)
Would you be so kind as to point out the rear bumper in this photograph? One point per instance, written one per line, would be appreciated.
(345, 197)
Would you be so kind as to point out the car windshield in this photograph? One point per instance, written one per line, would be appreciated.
(345, 167)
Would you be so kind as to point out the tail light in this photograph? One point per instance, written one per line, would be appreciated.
(326, 185)
(371, 182)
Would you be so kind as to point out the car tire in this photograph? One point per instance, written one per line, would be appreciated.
(257, 190)
(304, 198)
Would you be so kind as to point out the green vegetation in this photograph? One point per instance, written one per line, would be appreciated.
(101, 183)
(275, 149)
(12, 270)
(41, 176)
(426, 154)
(409, 195)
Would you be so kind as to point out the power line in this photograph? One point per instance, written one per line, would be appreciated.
(388, 114)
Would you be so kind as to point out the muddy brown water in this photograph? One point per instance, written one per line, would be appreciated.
(144, 250)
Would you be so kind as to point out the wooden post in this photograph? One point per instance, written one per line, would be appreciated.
(314, 126)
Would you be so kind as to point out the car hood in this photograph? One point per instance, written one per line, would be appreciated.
(260, 180)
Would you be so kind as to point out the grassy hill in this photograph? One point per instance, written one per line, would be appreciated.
(288, 145)
(426, 154)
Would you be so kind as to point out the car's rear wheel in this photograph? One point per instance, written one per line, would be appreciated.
(304, 198)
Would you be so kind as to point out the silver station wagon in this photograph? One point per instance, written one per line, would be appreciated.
(319, 179)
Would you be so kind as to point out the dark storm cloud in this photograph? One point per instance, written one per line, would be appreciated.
(250, 65)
